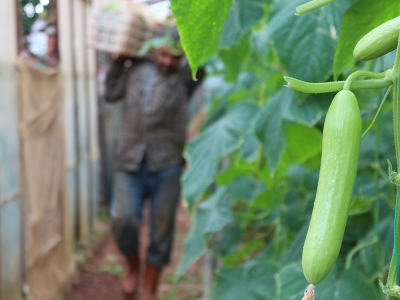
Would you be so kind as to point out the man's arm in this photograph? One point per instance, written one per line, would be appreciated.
(192, 84)
(116, 79)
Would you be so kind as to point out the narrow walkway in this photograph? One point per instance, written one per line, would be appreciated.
(98, 278)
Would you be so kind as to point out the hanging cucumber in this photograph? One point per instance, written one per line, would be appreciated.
(379, 41)
(340, 151)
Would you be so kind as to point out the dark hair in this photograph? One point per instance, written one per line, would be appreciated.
(172, 31)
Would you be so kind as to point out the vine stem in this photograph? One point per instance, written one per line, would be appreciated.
(357, 248)
(310, 6)
(334, 86)
(350, 79)
(394, 272)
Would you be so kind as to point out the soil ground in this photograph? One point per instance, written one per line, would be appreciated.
(100, 267)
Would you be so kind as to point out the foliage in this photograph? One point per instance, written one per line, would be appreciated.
(112, 266)
(253, 170)
(27, 21)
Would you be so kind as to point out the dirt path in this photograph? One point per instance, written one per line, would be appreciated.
(98, 277)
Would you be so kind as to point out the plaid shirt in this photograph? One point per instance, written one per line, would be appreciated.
(154, 113)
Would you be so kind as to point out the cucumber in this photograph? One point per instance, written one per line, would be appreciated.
(340, 151)
(379, 41)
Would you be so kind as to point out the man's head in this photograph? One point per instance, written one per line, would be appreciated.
(169, 52)
(167, 48)
(166, 61)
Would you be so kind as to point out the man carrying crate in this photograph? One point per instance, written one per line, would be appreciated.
(149, 157)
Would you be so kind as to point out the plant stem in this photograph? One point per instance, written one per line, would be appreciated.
(349, 80)
(391, 281)
(357, 248)
(310, 6)
(394, 271)
(334, 86)
(396, 125)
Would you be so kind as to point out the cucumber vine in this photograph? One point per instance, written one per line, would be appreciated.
(388, 79)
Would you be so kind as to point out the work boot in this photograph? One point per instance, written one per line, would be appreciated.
(129, 283)
(150, 284)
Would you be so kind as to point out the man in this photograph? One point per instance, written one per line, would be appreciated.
(149, 155)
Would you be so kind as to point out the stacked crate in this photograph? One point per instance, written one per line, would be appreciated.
(119, 27)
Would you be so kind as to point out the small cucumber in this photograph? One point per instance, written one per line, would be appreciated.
(340, 151)
(379, 41)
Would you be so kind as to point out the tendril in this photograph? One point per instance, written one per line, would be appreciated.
(377, 112)
(310, 6)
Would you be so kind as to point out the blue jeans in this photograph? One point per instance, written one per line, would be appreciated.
(131, 190)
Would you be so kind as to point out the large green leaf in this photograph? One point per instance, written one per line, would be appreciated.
(362, 17)
(235, 58)
(230, 238)
(250, 148)
(306, 44)
(200, 25)
(269, 126)
(211, 215)
(244, 188)
(311, 109)
(205, 152)
(373, 258)
(303, 142)
(350, 286)
(294, 251)
(290, 282)
(250, 282)
(243, 15)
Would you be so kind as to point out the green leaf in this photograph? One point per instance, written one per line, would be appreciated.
(294, 251)
(235, 58)
(303, 142)
(269, 127)
(266, 255)
(195, 245)
(361, 17)
(245, 188)
(371, 259)
(250, 148)
(205, 152)
(200, 25)
(351, 285)
(253, 282)
(242, 252)
(290, 282)
(306, 44)
(211, 215)
(310, 110)
(243, 15)
(228, 174)
(360, 205)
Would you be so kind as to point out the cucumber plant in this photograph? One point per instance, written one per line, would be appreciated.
(253, 169)
(339, 162)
